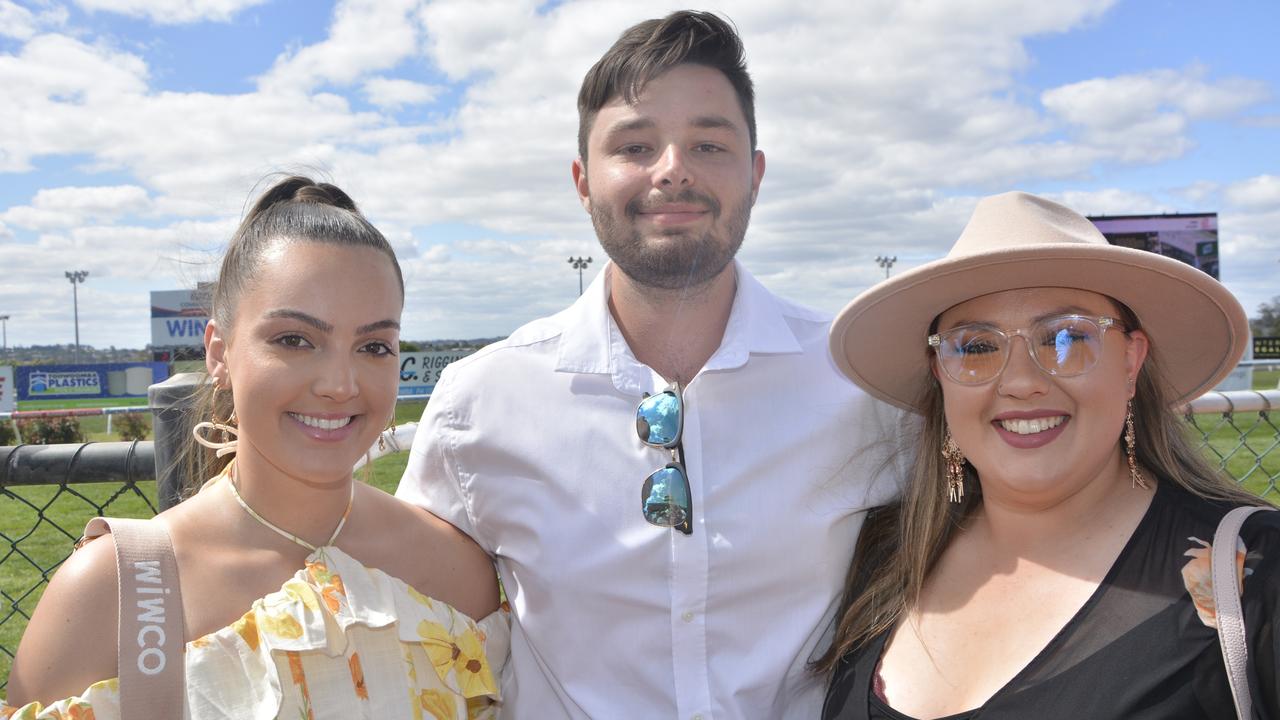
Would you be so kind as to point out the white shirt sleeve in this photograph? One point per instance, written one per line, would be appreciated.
(431, 478)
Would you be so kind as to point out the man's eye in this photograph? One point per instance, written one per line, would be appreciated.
(379, 349)
(709, 148)
(634, 149)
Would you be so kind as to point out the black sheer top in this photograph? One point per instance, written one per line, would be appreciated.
(1143, 646)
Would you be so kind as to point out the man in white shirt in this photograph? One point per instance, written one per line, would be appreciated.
(700, 603)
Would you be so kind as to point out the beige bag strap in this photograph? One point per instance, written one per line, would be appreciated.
(1227, 582)
(151, 639)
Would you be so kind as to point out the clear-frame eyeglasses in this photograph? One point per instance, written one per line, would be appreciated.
(1060, 345)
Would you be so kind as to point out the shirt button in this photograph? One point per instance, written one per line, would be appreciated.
(696, 717)
(688, 617)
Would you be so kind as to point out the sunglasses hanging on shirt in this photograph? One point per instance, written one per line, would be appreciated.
(664, 498)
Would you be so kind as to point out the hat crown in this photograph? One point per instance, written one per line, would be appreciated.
(1019, 220)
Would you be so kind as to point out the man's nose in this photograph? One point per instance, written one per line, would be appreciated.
(671, 170)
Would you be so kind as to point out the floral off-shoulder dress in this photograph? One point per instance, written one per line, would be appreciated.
(1144, 646)
(338, 640)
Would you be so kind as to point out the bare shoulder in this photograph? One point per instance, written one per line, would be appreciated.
(434, 557)
(70, 642)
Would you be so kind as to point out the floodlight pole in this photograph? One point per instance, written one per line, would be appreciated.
(886, 262)
(4, 334)
(579, 264)
(76, 277)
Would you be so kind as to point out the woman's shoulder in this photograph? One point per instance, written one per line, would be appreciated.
(70, 641)
(426, 552)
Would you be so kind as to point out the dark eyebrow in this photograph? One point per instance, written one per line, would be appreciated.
(380, 325)
(639, 123)
(711, 122)
(300, 316)
(325, 327)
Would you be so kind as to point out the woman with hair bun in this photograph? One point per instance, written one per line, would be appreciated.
(1050, 557)
(302, 593)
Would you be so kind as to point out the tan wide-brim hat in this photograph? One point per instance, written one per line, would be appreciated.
(1198, 330)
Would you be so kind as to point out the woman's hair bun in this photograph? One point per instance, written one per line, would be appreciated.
(296, 188)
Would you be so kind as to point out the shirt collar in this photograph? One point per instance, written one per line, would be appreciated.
(591, 342)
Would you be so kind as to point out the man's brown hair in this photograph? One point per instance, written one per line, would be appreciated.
(648, 49)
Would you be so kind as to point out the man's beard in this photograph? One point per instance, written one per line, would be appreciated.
(686, 259)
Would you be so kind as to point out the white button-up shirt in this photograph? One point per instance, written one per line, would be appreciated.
(530, 447)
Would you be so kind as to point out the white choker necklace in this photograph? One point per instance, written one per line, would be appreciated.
(231, 482)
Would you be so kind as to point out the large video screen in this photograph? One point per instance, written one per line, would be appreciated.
(1191, 238)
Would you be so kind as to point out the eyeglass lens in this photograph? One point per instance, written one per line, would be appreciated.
(1063, 346)
(665, 498)
(658, 419)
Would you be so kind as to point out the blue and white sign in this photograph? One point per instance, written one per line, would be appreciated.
(420, 371)
(178, 317)
(73, 382)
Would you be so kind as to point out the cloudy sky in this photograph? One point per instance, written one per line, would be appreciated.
(133, 133)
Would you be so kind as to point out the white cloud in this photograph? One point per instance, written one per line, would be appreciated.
(171, 12)
(1256, 193)
(67, 207)
(16, 21)
(365, 36)
(1144, 117)
(395, 93)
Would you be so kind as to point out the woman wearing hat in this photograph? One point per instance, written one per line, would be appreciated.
(1050, 555)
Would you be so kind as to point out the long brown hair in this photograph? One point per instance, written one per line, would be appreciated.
(901, 543)
(295, 209)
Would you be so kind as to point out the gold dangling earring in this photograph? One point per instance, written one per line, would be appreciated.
(382, 436)
(230, 433)
(1131, 442)
(955, 467)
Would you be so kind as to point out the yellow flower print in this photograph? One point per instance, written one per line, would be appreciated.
(1197, 576)
(303, 593)
(282, 625)
(247, 628)
(463, 654)
(422, 599)
(478, 706)
(438, 704)
(357, 677)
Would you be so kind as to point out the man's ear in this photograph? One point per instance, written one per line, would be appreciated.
(757, 173)
(215, 354)
(579, 172)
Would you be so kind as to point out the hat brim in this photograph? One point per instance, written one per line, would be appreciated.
(1198, 330)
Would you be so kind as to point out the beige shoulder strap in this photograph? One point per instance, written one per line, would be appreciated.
(151, 636)
(1226, 602)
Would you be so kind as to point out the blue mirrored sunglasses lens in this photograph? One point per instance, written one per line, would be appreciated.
(665, 499)
(658, 419)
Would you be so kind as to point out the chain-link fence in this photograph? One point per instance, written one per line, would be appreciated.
(1241, 433)
(41, 518)
(47, 494)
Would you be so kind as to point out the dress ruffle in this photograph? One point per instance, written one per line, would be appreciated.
(333, 619)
